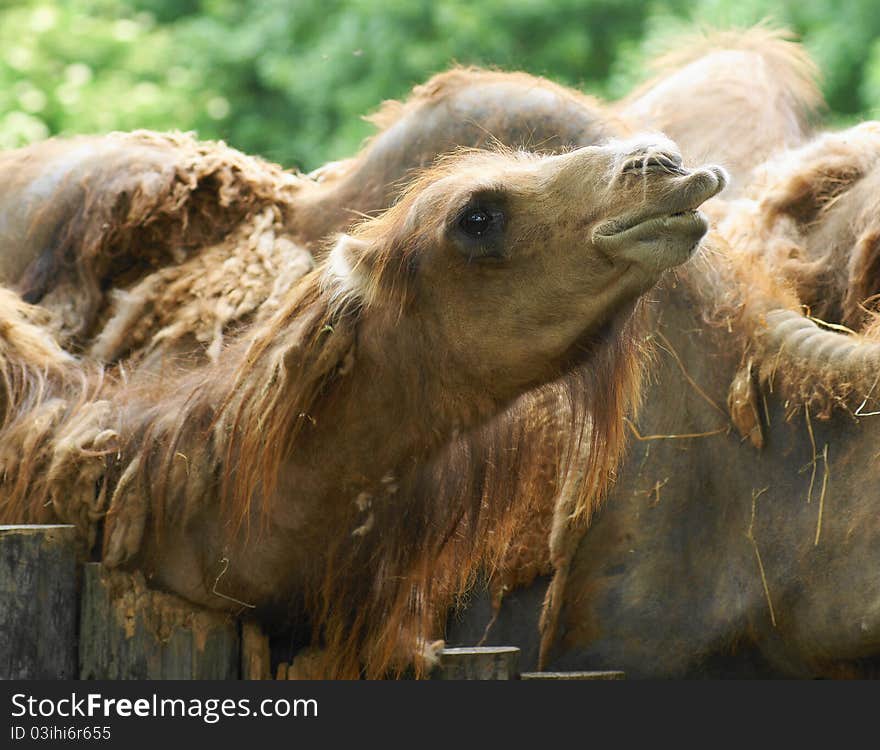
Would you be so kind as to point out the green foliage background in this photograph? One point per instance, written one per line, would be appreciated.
(290, 79)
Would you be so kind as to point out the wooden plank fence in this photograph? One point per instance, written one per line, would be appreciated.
(60, 620)
(38, 602)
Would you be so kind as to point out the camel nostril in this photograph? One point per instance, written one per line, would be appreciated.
(658, 162)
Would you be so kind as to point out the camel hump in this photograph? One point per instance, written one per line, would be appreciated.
(81, 215)
(756, 87)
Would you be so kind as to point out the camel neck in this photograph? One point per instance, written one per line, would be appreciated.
(390, 412)
(280, 475)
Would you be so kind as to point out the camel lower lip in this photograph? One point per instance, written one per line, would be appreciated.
(691, 221)
(657, 242)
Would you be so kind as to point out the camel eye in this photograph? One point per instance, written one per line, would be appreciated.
(478, 229)
(477, 222)
(480, 219)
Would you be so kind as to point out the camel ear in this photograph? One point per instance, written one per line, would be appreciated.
(349, 261)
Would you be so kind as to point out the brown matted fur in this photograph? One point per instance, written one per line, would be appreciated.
(746, 293)
(803, 239)
(757, 297)
(812, 210)
(117, 207)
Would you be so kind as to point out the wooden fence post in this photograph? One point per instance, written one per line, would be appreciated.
(131, 632)
(255, 654)
(478, 663)
(37, 602)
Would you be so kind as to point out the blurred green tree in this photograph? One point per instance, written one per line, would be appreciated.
(290, 79)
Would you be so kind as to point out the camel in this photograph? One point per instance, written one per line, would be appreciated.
(747, 503)
(738, 537)
(297, 474)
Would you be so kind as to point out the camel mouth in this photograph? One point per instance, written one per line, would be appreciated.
(666, 237)
(644, 228)
(653, 243)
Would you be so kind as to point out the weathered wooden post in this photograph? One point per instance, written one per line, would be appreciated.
(478, 663)
(38, 603)
(131, 632)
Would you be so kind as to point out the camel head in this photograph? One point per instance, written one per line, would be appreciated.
(513, 264)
